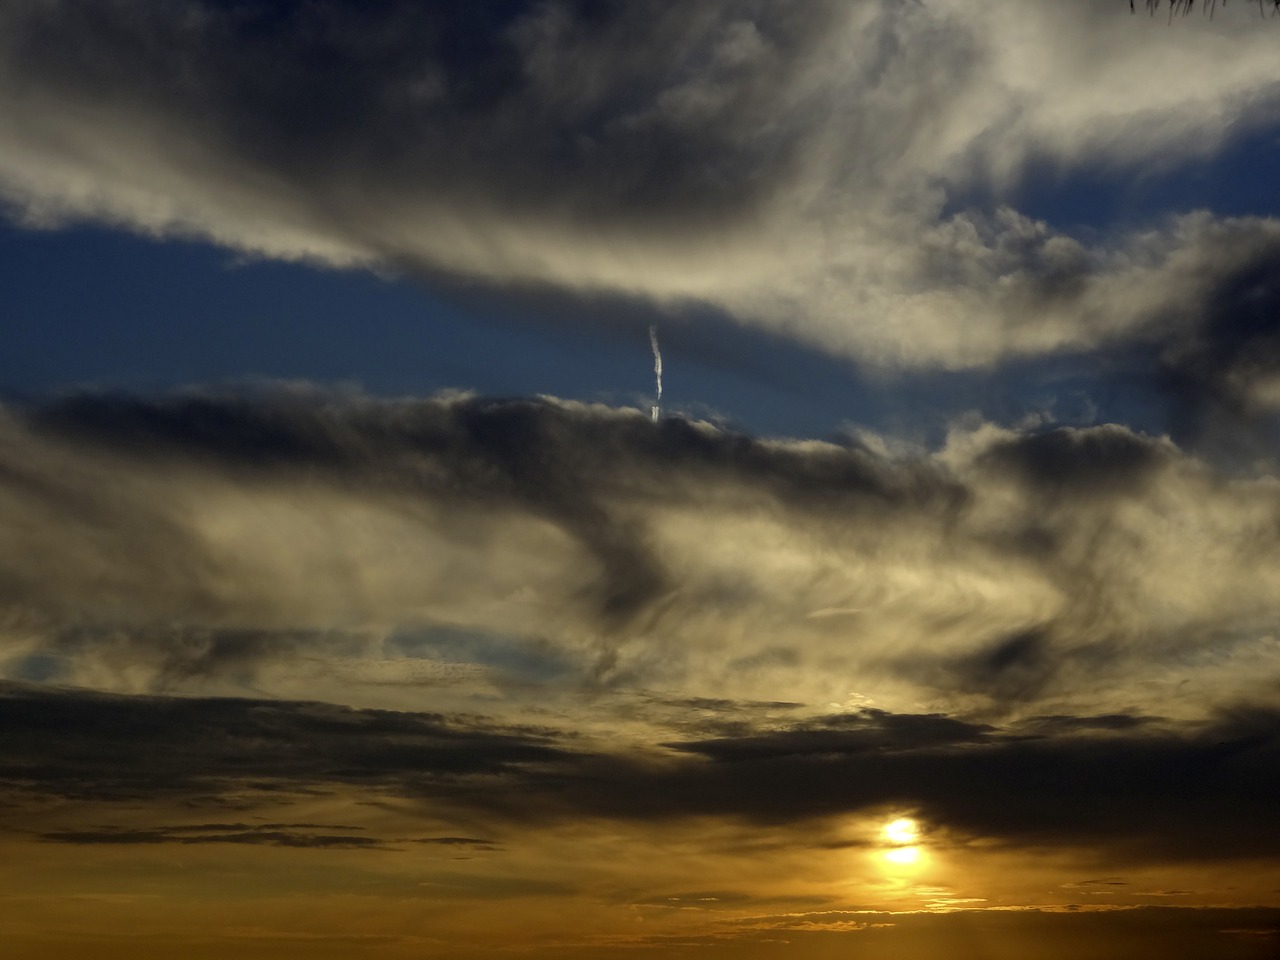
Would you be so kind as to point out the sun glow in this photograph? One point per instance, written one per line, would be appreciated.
(901, 831)
(902, 836)
(903, 856)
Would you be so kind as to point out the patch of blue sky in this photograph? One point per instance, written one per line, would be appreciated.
(36, 668)
(100, 309)
(511, 658)
(1242, 179)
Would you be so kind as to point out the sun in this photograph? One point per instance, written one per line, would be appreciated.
(903, 856)
(902, 850)
(902, 831)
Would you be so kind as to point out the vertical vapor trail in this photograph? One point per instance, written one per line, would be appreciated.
(657, 372)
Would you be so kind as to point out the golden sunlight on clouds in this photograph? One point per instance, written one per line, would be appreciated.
(901, 831)
(904, 856)
(904, 853)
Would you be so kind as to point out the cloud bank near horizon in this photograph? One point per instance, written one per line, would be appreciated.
(1133, 788)
(808, 167)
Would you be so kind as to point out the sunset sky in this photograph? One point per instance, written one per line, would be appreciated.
(357, 602)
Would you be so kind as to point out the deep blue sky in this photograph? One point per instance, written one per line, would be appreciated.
(97, 308)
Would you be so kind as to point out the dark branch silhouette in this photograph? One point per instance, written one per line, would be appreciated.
(1184, 7)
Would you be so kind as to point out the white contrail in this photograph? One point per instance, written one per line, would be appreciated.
(657, 372)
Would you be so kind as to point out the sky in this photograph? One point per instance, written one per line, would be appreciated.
(567, 479)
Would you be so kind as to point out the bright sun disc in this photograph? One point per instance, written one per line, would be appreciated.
(903, 856)
(902, 830)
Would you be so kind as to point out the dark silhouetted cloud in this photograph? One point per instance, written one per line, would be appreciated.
(101, 747)
(1139, 790)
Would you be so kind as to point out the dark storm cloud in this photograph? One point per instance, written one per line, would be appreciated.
(793, 163)
(1138, 789)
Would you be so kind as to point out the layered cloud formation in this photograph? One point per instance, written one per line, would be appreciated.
(418, 656)
(1005, 567)
(787, 632)
(838, 171)
(218, 531)
(1119, 787)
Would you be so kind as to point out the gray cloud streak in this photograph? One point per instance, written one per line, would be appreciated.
(246, 836)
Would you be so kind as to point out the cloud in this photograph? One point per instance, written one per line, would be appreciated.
(292, 835)
(807, 166)
(162, 544)
(100, 747)
(255, 836)
(1223, 374)
(1053, 639)
(1139, 791)
(843, 734)
(1102, 882)
(457, 842)
(1149, 793)
(1055, 932)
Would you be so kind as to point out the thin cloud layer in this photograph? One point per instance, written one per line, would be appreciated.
(805, 166)
(269, 836)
